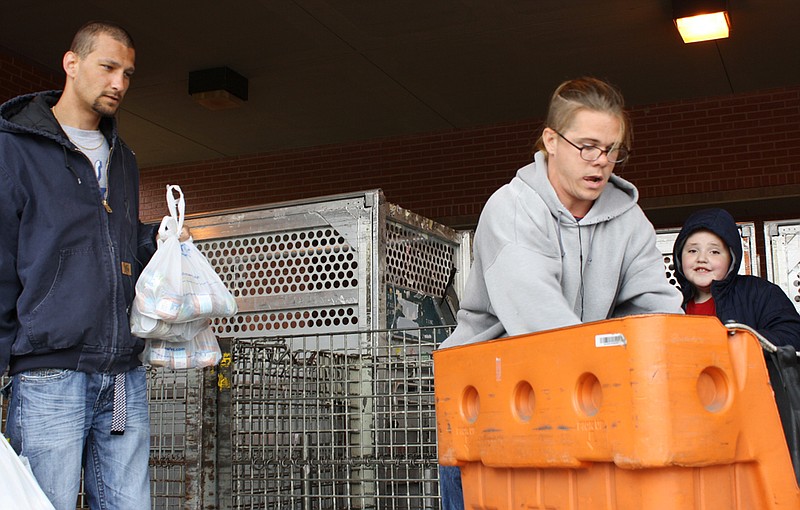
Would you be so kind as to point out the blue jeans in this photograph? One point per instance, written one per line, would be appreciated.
(450, 488)
(61, 420)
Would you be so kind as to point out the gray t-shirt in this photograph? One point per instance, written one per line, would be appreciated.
(95, 147)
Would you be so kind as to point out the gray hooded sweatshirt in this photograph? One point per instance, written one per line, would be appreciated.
(536, 267)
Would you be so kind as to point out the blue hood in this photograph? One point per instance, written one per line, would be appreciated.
(719, 222)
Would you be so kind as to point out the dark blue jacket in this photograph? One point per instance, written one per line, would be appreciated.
(749, 300)
(67, 266)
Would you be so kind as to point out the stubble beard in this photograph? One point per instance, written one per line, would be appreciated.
(104, 110)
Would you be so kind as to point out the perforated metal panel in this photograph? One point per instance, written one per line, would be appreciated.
(328, 264)
(326, 411)
(307, 262)
(783, 256)
(417, 261)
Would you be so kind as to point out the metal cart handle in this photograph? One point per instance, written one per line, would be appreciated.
(765, 344)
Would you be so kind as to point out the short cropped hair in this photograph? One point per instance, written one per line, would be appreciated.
(84, 41)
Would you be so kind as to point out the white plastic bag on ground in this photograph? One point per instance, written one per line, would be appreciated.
(19, 490)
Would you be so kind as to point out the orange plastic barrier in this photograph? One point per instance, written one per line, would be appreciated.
(656, 412)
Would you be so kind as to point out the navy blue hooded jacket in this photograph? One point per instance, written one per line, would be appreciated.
(67, 266)
(749, 300)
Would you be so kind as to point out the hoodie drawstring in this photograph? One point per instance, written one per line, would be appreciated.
(66, 163)
(558, 228)
(580, 247)
(581, 289)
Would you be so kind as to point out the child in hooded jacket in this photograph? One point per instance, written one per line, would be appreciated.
(708, 255)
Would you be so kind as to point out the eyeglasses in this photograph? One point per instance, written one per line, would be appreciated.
(593, 153)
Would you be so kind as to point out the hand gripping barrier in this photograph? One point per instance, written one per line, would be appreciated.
(656, 412)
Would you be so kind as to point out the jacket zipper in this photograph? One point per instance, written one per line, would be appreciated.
(114, 276)
(115, 267)
(104, 200)
(108, 184)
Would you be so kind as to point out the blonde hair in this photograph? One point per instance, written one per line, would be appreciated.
(586, 93)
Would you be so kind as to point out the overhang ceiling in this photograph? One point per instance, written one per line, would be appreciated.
(328, 72)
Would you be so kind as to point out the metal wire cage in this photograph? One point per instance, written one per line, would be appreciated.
(326, 400)
(317, 427)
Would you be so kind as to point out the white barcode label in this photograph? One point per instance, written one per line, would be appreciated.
(610, 340)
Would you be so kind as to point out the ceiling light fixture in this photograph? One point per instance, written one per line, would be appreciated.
(218, 88)
(701, 20)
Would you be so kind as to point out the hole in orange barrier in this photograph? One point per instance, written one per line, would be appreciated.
(470, 404)
(588, 394)
(713, 389)
(524, 400)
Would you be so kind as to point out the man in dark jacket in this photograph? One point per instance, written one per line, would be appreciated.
(71, 249)
(749, 300)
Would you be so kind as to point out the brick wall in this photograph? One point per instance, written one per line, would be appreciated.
(684, 152)
(20, 76)
(717, 144)
(440, 175)
(681, 149)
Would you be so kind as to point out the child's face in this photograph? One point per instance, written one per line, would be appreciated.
(705, 258)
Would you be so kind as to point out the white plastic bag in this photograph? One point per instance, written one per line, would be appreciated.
(203, 293)
(19, 490)
(178, 285)
(202, 351)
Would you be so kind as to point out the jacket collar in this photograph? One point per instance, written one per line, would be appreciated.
(31, 113)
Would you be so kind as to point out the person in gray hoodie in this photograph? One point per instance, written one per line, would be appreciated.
(564, 242)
